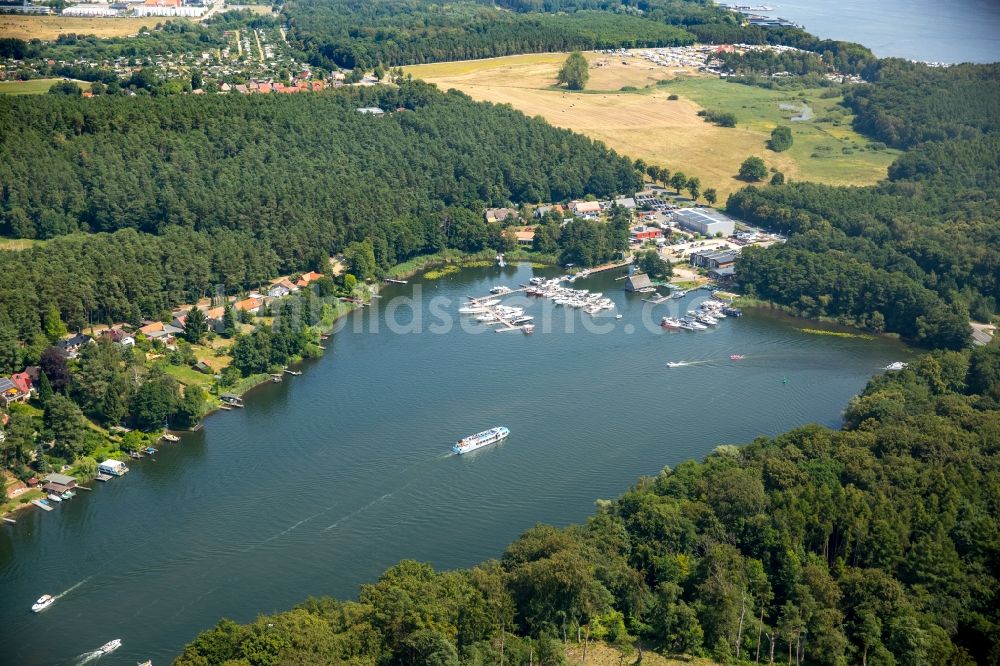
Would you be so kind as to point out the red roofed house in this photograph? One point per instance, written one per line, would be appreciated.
(306, 278)
(22, 380)
(248, 304)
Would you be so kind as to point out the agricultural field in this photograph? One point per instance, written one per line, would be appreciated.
(49, 27)
(33, 87)
(642, 122)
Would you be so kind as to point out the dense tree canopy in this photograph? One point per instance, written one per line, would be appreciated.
(189, 193)
(917, 253)
(910, 103)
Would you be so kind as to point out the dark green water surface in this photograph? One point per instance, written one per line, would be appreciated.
(326, 479)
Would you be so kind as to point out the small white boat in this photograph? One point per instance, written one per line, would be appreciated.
(54, 497)
(897, 365)
(528, 329)
(675, 364)
(110, 646)
(43, 602)
(167, 437)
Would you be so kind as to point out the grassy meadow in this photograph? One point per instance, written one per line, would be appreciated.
(32, 87)
(47, 28)
(642, 122)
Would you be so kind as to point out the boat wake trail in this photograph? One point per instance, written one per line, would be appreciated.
(286, 530)
(73, 587)
(88, 657)
(357, 511)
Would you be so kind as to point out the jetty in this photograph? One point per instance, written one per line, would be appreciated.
(41, 505)
(293, 373)
(505, 321)
(391, 281)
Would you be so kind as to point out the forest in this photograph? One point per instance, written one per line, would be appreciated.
(875, 544)
(916, 254)
(908, 103)
(180, 194)
(352, 33)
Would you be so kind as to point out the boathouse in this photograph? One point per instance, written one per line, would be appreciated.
(59, 483)
(637, 282)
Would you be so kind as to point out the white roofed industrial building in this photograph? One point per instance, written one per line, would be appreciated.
(705, 221)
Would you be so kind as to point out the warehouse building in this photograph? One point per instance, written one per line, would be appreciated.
(705, 221)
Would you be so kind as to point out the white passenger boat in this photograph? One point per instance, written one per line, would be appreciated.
(43, 602)
(479, 440)
(110, 646)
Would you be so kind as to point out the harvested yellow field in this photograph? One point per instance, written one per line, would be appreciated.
(49, 27)
(644, 123)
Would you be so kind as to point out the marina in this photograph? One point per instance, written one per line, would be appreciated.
(228, 509)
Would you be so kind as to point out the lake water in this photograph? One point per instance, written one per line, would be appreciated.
(326, 479)
(950, 31)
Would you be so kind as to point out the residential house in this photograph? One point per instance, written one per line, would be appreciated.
(72, 344)
(251, 305)
(214, 317)
(500, 214)
(541, 211)
(524, 236)
(119, 336)
(584, 208)
(165, 333)
(306, 278)
(23, 382)
(280, 288)
(637, 281)
(10, 393)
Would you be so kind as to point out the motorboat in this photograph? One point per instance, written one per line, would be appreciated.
(43, 602)
(736, 357)
(670, 322)
(675, 364)
(110, 646)
(897, 365)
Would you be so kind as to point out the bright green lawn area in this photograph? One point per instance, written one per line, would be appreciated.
(826, 148)
(33, 87)
(187, 375)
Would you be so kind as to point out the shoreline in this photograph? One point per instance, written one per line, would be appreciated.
(416, 266)
(845, 330)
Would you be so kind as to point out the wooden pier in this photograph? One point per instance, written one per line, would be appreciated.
(506, 322)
